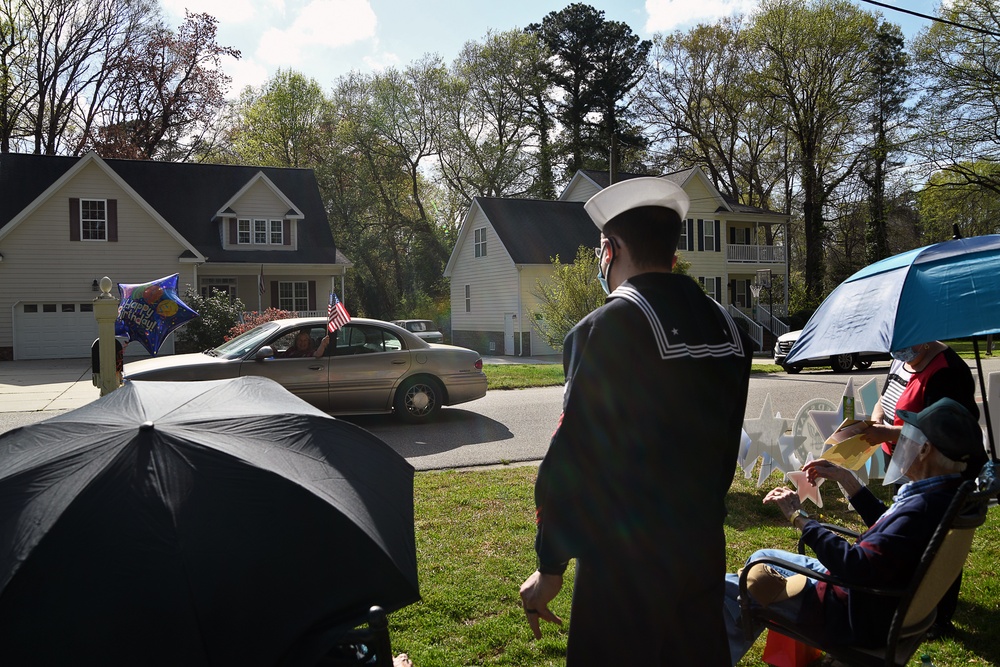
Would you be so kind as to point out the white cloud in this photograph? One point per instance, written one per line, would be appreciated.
(227, 11)
(381, 61)
(669, 15)
(321, 24)
(244, 72)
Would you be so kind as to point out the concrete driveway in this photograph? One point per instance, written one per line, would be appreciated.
(44, 385)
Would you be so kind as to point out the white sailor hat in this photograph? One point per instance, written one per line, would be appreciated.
(633, 193)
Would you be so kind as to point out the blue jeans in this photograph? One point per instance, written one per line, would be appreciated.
(789, 609)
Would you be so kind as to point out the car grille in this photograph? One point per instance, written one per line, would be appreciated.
(784, 346)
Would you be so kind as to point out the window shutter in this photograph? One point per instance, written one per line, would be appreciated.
(690, 234)
(113, 220)
(718, 290)
(233, 234)
(312, 295)
(74, 219)
(701, 235)
(732, 236)
(274, 293)
(718, 239)
(286, 232)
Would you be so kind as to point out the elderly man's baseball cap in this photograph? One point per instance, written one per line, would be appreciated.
(950, 427)
(633, 193)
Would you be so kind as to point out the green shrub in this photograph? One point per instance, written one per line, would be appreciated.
(218, 313)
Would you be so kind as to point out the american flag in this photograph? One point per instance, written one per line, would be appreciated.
(336, 315)
(260, 281)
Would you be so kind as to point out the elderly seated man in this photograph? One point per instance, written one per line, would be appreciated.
(933, 449)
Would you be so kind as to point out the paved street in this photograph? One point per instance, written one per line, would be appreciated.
(504, 427)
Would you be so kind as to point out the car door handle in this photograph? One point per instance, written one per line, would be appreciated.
(315, 368)
(398, 362)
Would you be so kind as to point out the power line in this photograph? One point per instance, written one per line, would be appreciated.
(938, 19)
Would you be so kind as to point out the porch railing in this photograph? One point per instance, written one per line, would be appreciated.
(770, 321)
(755, 331)
(755, 254)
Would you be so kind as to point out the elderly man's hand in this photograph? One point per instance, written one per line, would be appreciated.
(821, 468)
(786, 499)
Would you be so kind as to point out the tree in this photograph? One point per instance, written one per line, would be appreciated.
(815, 63)
(887, 114)
(595, 63)
(169, 89)
(958, 130)
(15, 55)
(701, 104)
(489, 129)
(566, 298)
(280, 124)
(78, 43)
(949, 198)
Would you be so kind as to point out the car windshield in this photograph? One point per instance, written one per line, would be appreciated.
(249, 340)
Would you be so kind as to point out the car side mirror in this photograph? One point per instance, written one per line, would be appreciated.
(264, 353)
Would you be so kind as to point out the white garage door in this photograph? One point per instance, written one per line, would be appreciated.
(46, 330)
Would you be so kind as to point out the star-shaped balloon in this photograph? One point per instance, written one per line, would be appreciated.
(764, 433)
(868, 394)
(806, 490)
(148, 312)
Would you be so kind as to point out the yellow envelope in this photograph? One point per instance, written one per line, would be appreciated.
(849, 449)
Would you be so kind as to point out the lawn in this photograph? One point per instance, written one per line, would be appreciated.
(474, 533)
(520, 376)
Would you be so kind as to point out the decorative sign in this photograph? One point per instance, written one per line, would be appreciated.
(765, 433)
(148, 312)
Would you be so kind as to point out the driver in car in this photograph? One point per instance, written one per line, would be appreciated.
(303, 347)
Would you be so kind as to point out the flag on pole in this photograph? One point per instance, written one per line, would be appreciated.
(260, 281)
(336, 315)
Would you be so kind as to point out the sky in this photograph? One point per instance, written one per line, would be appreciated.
(326, 39)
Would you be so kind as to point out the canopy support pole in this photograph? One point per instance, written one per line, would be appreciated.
(986, 407)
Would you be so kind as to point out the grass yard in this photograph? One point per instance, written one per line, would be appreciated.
(475, 531)
(521, 376)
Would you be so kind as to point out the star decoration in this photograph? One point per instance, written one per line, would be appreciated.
(764, 432)
(674, 331)
(826, 422)
(868, 394)
(806, 490)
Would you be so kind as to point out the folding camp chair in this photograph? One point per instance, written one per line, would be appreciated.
(938, 568)
(365, 642)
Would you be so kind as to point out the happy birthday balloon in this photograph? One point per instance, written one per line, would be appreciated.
(150, 311)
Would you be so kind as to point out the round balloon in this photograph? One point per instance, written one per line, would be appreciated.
(149, 312)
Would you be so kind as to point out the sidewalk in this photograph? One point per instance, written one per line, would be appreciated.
(48, 384)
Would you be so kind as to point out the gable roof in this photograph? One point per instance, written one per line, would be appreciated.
(188, 197)
(534, 230)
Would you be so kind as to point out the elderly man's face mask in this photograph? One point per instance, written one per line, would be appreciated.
(911, 439)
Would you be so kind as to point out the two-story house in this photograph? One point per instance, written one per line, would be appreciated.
(738, 253)
(259, 234)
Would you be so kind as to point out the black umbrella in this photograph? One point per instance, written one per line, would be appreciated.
(196, 523)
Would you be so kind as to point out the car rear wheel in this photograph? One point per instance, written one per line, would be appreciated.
(842, 363)
(863, 365)
(418, 399)
(791, 369)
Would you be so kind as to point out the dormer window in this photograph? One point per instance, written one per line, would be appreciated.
(260, 232)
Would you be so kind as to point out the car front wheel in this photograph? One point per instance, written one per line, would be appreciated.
(864, 365)
(791, 369)
(842, 363)
(417, 399)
